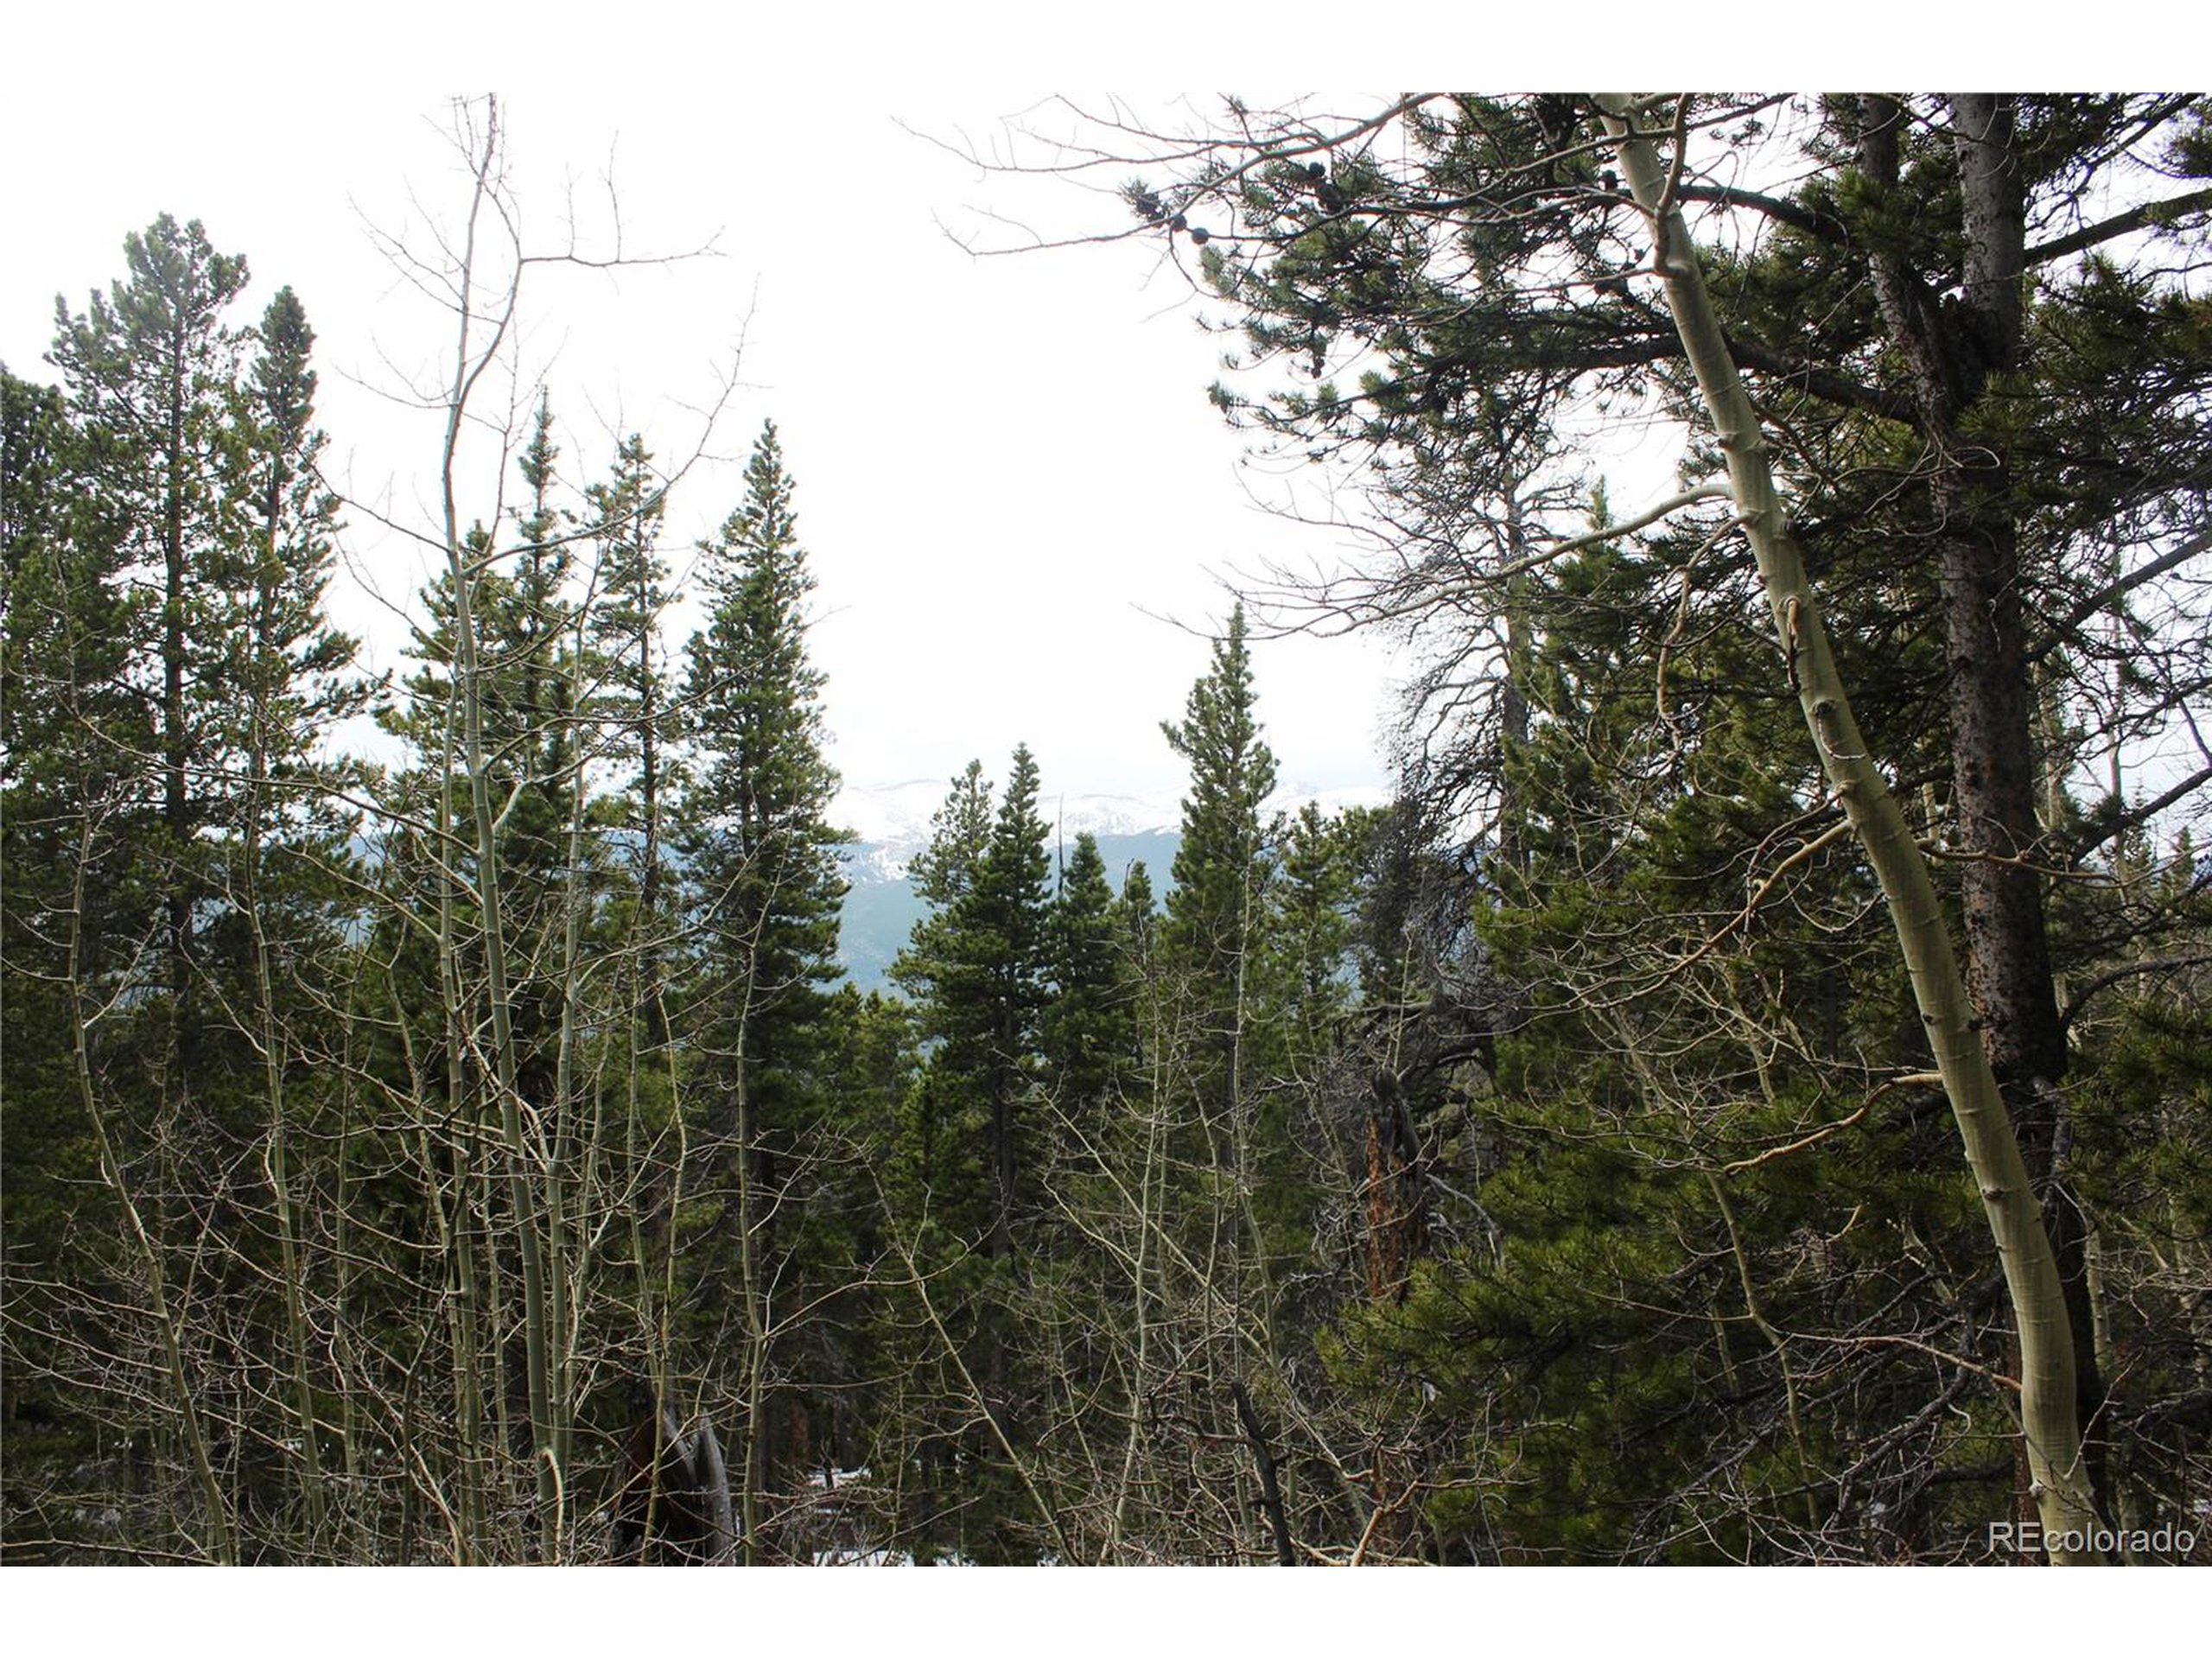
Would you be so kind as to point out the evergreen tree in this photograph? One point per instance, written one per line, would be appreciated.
(1221, 864)
(537, 648)
(191, 455)
(1949, 357)
(1088, 1027)
(763, 852)
(945, 872)
(152, 364)
(1310, 928)
(979, 964)
(765, 887)
(298, 654)
(1005, 965)
(74, 801)
(1136, 942)
(1217, 910)
(527, 672)
(287, 866)
(941, 1165)
(973, 1149)
(626, 512)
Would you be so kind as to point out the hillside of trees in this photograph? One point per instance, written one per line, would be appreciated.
(1749, 1099)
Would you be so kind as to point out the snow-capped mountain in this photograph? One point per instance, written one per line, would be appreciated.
(890, 824)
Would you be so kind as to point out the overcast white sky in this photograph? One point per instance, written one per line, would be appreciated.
(1007, 471)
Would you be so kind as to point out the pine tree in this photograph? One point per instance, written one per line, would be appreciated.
(153, 365)
(1217, 908)
(1136, 941)
(979, 965)
(763, 852)
(73, 799)
(945, 872)
(972, 1146)
(1221, 864)
(1311, 927)
(192, 456)
(524, 693)
(289, 682)
(941, 1164)
(299, 661)
(626, 512)
(537, 649)
(1211, 945)
(1088, 1027)
(765, 887)
(1979, 397)
(1005, 924)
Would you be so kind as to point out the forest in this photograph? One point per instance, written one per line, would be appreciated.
(1747, 1099)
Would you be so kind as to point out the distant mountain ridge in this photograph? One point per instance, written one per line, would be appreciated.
(890, 824)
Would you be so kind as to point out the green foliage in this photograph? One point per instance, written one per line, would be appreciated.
(1222, 867)
(1543, 1169)
(626, 512)
(762, 889)
(762, 860)
(762, 850)
(171, 681)
(1088, 1027)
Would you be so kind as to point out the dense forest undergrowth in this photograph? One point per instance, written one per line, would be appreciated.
(1748, 1099)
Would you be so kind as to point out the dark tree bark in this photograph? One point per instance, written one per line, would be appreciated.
(674, 1506)
(1953, 348)
(1270, 1485)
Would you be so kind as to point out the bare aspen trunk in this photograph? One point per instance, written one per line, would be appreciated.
(756, 1334)
(222, 1527)
(562, 1183)
(1150, 1220)
(464, 1304)
(277, 1168)
(2052, 1435)
(278, 1164)
(468, 679)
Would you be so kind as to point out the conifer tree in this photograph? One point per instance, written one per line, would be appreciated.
(765, 889)
(1089, 1025)
(288, 681)
(1211, 943)
(73, 798)
(1136, 941)
(980, 966)
(1976, 378)
(626, 510)
(539, 649)
(940, 1161)
(1217, 907)
(191, 452)
(287, 676)
(525, 685)
(1220, 869)
(763, 852)
(1006, 949)
(154, 366)
(944, 871)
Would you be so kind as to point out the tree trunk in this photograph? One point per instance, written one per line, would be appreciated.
(461, 565)
(2047, 1371)
(1953, 350)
